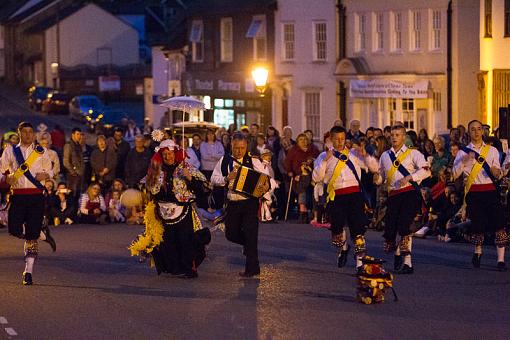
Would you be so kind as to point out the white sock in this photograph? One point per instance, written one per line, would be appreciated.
(344, 236)
(478, 250)
(501, 254)
(358, 261)
(29, 264)
(407, 260)
(42, 237)
(397, 251)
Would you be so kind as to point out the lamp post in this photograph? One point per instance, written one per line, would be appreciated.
(55, 73)
(260, 75)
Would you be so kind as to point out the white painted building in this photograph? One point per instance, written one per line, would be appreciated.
(89, 36)
(494, 77)
(397, 61)
(304, 87)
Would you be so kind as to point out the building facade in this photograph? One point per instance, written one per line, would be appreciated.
(226, 40)
(494, 76)
(304, 86)
(408, 62)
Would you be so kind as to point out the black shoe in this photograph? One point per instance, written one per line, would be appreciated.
(359, 270)
(477, 259)
(406, 270)
(49, 239)
(342, 257)
(501, 266)
(27, 279)
(397, 262)
(249, 274)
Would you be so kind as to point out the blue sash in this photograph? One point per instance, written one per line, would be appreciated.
(486, 167)
(404, 172)
(351, 166)
(20, 159)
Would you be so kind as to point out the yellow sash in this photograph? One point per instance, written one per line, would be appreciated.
(338, 169)
(24, 167)
(475, 170)
(391, 173)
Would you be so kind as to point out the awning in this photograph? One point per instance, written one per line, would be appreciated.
(380, 88)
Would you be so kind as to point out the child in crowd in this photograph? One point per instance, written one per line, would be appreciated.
(116, 210)
(267, 208)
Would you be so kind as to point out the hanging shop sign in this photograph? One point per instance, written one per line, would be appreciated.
(388, 89)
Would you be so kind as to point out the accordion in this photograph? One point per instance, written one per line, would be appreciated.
(250, 182)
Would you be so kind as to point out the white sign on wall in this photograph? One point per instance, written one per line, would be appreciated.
(388, 89)
(109, 83)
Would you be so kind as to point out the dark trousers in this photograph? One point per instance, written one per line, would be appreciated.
(242, 227)
(28, 210)
(485, 211)
(75, 183)
(402, 208)
(348, 209)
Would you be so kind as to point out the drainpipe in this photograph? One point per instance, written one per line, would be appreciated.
(449, 65)
(341, 29)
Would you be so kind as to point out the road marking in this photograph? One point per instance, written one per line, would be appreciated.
(3, 321)
(11, 331)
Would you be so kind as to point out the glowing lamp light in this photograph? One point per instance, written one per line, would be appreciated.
(260, 75)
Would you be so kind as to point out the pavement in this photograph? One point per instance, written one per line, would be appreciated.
(92, 289)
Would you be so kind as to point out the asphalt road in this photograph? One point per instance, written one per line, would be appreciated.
(92, 289)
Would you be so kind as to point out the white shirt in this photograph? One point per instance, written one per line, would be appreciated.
(415, 163)
(460, 167)
(325, 169)
(217, 178)
(192, 158)
(9, 164)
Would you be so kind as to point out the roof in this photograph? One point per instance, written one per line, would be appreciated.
(214, 7)
(37, 6)
(53, 19)
(9, 7)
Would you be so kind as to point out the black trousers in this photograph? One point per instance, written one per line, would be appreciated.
(402, 208)
(348, 209)
(28, 210)
(242, 227)
(176, 253)
(485, 211)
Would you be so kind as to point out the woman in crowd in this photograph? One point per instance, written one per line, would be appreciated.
(44, 139)
(440, 159)
(92, 206)
(211, 152)
(225, 141)
(103, 161)
(62, 208)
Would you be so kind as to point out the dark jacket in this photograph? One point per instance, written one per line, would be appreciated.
(73, 159)
(136, 166)
(122, 152)
(104, 159)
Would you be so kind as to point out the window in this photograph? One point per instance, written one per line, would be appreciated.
(397, 32)
(488, 18)
(257, 32)
(312, 112)
(436, 30)
(288, 41)
(378, 32)
(393, 110)
(360, 27)
(415, 31)
(197, 41)
(436, 98)
(226, 40)
(507, 18)
(408, 113)
(320, 41)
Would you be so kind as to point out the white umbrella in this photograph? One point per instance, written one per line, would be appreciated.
(184, 104)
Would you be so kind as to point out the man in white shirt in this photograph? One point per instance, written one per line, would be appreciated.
(479, 162)
(241, 221)
(340, 169)
(26, 166)
(403, 169)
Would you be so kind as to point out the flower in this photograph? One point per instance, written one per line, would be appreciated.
(157, 135)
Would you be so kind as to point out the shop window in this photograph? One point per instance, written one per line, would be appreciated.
(240, 119)
(437, 101)
(223, 117)
(313, 111)
(239, 103)
(219, 102)
(408, 113)
(393, 110)
(229, 103)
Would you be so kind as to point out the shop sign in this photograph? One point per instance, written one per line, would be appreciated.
(387, 89)
(109, 83)
(204, 84)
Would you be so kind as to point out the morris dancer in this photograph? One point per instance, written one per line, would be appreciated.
(402, 169)
(241, 222)
(172, 227)
(27, 165)
(341, 171)
(480, 164)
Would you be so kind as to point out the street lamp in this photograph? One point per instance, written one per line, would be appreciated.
(54, 71)
(260, 75)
